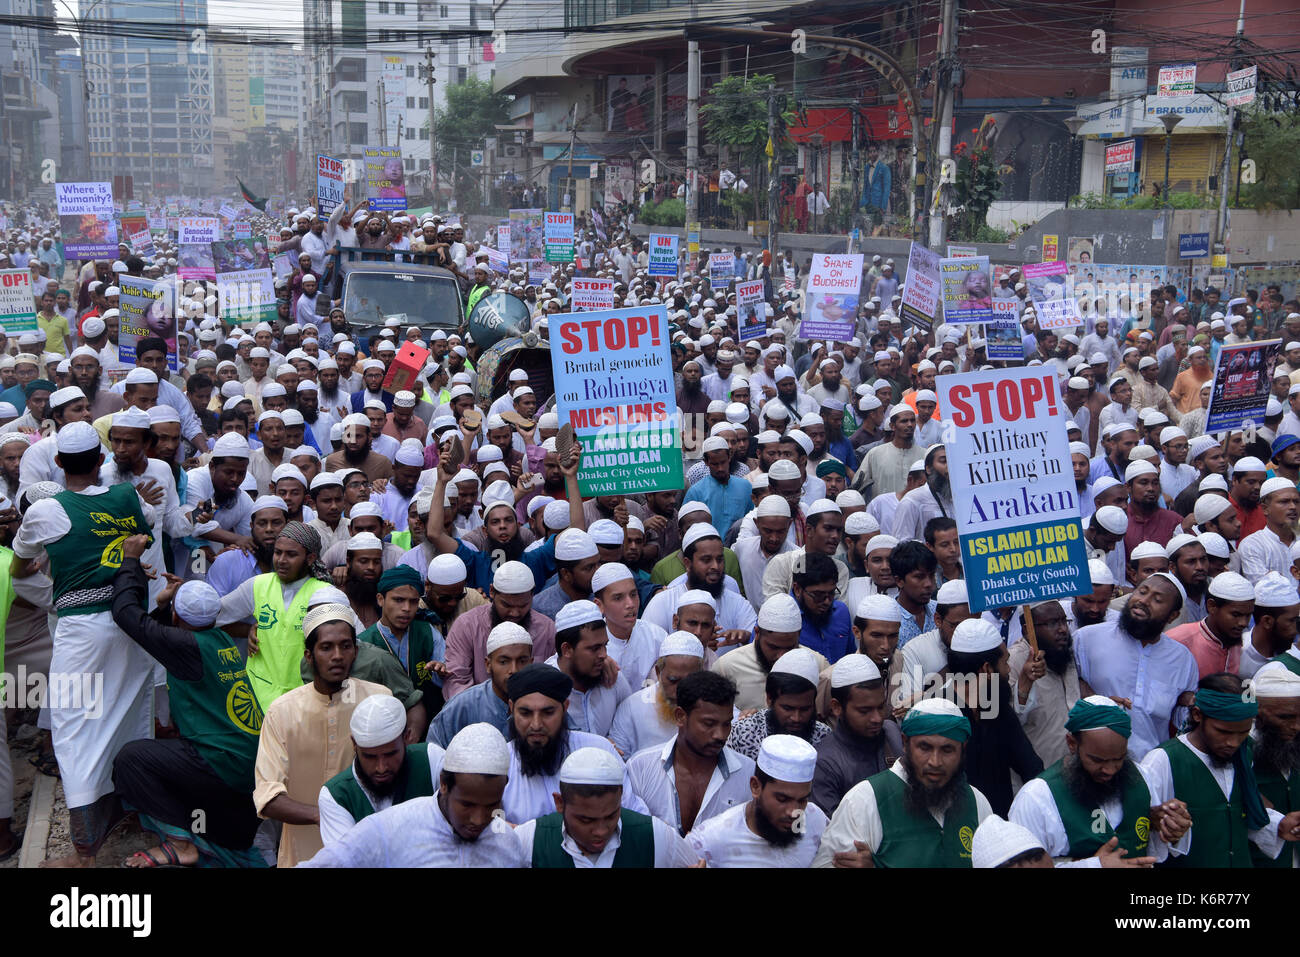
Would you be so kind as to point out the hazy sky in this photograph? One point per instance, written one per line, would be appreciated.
(279, 13)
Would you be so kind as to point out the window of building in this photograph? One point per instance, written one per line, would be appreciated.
(462, 74)
(383, 7)
(399, 9)
(443, 12)
(424, 102)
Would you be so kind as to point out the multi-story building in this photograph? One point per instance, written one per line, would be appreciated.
(29, 98)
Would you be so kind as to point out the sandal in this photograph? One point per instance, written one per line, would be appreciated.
(169, 852)
(46, 763)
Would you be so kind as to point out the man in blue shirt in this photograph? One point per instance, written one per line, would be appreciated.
(728, 497)
(913, 566)
(827, 625)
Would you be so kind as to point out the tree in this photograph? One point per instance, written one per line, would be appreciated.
(736, 117)
(471, 114)
(1272, 140)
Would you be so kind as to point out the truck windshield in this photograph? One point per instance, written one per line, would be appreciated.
(417, 300)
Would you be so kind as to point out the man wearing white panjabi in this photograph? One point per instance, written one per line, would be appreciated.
(999, 843)
(646, 718)
(590, 828)
(633, 643)
(455, 828)
(778, 826)
(100, 681)
(1277, 689)
(1277, 607)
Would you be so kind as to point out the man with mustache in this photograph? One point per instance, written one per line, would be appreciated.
(1277, 747)
(791, 691)
(931, 500)
(1049, 676)
(1277, 614)
(648, 717)
(865, 739)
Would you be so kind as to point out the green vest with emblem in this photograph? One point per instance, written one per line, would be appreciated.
(419, 652)
(1291, 661)
(85, 560)
(275, 668)
(1219, 836)
(6, 602)
(218, 713)
(916, 840)
(1084, 825)
(414, 780)
(636, 845)
(1284, 795)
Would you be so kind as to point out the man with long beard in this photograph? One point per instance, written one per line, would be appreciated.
(365, 564)
(864, 740)
(1061, 806)
(931, 500)
(705, 568)
(356, 452)
(1277, 747)
(540, 739)
(1050, 677)
(791, 691)
(648, 717)
(1115, 656)
(235, 566)
(777, 630)
(914, 814)
(86, 375)
(778, 826)
(510, 599)
(1093, 608)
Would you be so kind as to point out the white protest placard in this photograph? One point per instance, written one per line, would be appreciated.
(831, 296)
(17, 308)
(592, 294)
(721, 266)
(196, 230)
(248, 296)
(497, 260)
(923, 288)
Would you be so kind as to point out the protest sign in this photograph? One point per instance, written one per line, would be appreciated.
(247, 296)
(721, 267)
(86, 220)
(17, 308)
(1049, 289)
(752, 309)
(966, 289)
(385, 178)
(538, 271)
(692, 238)
(1016, 504)
(558, 237)
(663, 254)
(228, 213)
(831, 297)
(592, 294)
(525, 235)
(503, 240)
(133, 222)
(241, 229)
(142, 244)
(922, 289)
(329, 184)
(196, 262)
(283, 265)
(146, 307)
(192, 230)
(1243, 375)
(497, 260)
(237, 255)
(614, 384)
(1003, 338)
(961, 252)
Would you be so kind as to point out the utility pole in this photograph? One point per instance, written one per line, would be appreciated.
(944, 85)
(692, 129)
(773, 178)
(426, 73)
(383, 115)
(1221, 225)
(568, 180)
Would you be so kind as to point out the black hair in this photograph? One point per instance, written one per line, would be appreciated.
(708, 687)
(816, 569)
(150, 344)
(448, 778)
(842, 693)
(230, 415)
(1043, 335)
(1223, 681)
(571, 636)
(814, 521)
(80, 463)
(783, 682)
(907, 557)
(970, 662)
(196, 382)
(226, 352)
(935, 526)
(689, 550)
(568, 791)
(1024, 857)
(1264, 611)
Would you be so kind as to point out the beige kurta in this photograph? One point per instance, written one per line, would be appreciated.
(742, 667)
(305, 741)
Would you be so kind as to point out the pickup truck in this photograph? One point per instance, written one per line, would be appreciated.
(378, 286)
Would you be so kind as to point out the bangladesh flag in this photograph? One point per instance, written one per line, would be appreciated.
(249, 197)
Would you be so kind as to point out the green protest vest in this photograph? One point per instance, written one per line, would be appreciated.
(475, 294)
(218, 713)
(1284, 795)
(419, 649)
(86, 559)
(1083, 824)
(414, 780)
(275, 668)
(402, 540)
(916, 840)
(1291, 661)
(1218, 826)
(636, 846)
(6, 602)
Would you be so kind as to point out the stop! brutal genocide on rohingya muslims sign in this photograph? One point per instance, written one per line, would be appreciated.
(614, 385)
(1017, 507)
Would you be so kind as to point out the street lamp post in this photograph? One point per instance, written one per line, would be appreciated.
(1170, 120)
(1073, 124)
(816, 139)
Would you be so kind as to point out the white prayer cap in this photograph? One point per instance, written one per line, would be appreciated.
(367, 508)
(365, 542)
(783, 470)
(698, 531)
(1276, 484)
(1112, 519)
(974, 636)
(464, 475)
(506, 633)
(759, 481)
(822, 505)
(1229, 586)
(850, 498)
(141, 376)
(780, 613)
(447, 570)
(329, 611)
(879, 608)
(1148, 549)
(410, 452)
(486, 454)
(1173, 580)
(78, 437)
(998, 841)
(556, 516)
(197, 603)
(804, 441)
(1215, 545)
(853, 669)
(324, 479)
(574, 545)
(162, 414)
(606, 532)
(231, 445)
(269, 501)
(1080, 448)
(1210, 507)
(1171, 432)
(799, 661)
(377, 720)
(274, 389)
(1214, 482)
(772, 506)
(859, 523)
(71, 394)
(288, 471)
(1248, 464)
(1138, 468)
(608, 574)
(538, 502)
(592, 766)
(1181, 540)
(953, 592)
(577, 613)
(404, 399)
(513, 578)
(548, 420)
(696, 596)
(1275, 591)
(477, 749)
(1276, 680)
(737, 412)
(715, 443)
(785, 757)
(680, 643)
(888, 542)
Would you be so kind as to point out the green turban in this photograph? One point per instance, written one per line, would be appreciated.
(398, 576)
(1086, 715)
(918, 724)
(37, 384)
(831, 467)
(1226, 706)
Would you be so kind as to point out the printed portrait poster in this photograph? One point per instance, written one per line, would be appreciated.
(831, 297)
(1081, 249)
(967, 289)
(147, 307)
(385, 178)
(751, 310)
(238, 255)
(196, 261)
(526, 235)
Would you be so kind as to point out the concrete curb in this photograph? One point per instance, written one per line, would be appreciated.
(38, 821)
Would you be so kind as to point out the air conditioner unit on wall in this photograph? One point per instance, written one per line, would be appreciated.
(511, 151)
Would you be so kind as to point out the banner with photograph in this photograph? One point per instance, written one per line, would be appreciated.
(86, 220)
(196, 261)
(147, 307)
(497, 261)
(385, 178)
(1003, 337)
(1050, 290)
(142, 244)
(751, 310)
(591, 294)
(967, 289)
(721, 267)
(238, 255)
(922, 289)
(831, 296)
(1243, 376)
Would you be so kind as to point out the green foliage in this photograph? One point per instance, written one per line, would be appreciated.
(978, 184)
(989, 234)
(736, 114)
(669, 212)
(1143, 201)
(1272, 140)
(839, 218)
(470, 116)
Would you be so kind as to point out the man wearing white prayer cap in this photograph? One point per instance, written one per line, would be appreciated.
(1276, 687)
(1000, 843)
(212, 707)
(267, 517)
(1215, 641)
(457, 827)
(1268, 549)
(881, 820)
(706, 562)
(823, 530)
(924, 658)
(509, 649)
(576, 560)
(773, 525)
(779, 826)
(864, 740)
(633, 643)
(646, 718)
(591, 828)
(510, 599)
(1277, 611)
(790, 692)
(580, 640)
(300, 746)
(777, 630)
(385, 769)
